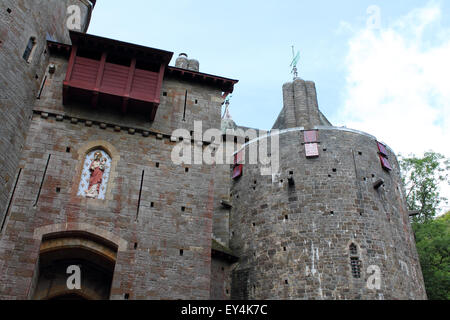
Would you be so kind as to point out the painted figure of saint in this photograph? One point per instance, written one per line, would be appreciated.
(97, 168)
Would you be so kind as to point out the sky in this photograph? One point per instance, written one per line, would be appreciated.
(379, 66)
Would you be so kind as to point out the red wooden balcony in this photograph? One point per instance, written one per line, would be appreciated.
(115, 74)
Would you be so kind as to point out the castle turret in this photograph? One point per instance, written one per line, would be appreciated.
(300, 107)
(330, 222)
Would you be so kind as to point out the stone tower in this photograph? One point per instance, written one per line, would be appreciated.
(25, 27)
(332, 223)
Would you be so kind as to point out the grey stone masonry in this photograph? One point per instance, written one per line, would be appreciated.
(20, 80)
(293, 237)
(300, 107)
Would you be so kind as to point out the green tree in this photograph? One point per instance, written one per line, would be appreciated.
(421, 178)
(433, 245)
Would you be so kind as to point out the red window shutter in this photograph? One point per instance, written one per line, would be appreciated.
(311, 150)
(237, 171)
(385, 163)
(238, 158)
(310, 136)
(382, 149)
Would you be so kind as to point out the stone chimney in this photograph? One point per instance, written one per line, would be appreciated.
(300, 107)
(184, 63)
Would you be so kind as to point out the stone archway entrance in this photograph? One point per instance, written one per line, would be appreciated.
(94, 256)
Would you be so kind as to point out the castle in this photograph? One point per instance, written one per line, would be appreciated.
(87, 179)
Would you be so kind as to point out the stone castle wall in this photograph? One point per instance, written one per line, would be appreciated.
(293, 240)
(20, 80)
(175, 210)
(176, 206)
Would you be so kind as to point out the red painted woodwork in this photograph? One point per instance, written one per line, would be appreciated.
(238, 158)
(237, 171)
(116, 84)
(123, 75)
(385, 163)
(224, 84)
(310, 136)
(311, 150)
(382, 149)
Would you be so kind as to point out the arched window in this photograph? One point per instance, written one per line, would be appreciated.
(353, 249)
(355, 263)
(95, 175)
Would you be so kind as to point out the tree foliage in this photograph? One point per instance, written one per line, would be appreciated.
(421, 178)
(433, 246)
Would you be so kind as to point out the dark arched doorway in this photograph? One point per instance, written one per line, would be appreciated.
(94, 257)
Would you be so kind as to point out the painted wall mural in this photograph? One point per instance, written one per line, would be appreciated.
(95, 175)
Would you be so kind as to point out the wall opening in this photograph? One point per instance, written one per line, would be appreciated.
(94, 258)
(29, 50)
(355, 262)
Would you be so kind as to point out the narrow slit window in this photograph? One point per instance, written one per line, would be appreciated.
(27, 55)
(185, 104)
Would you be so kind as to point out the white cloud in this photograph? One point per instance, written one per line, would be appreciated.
(398, 86)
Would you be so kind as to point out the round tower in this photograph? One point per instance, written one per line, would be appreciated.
(330, 223)
(25, 27)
